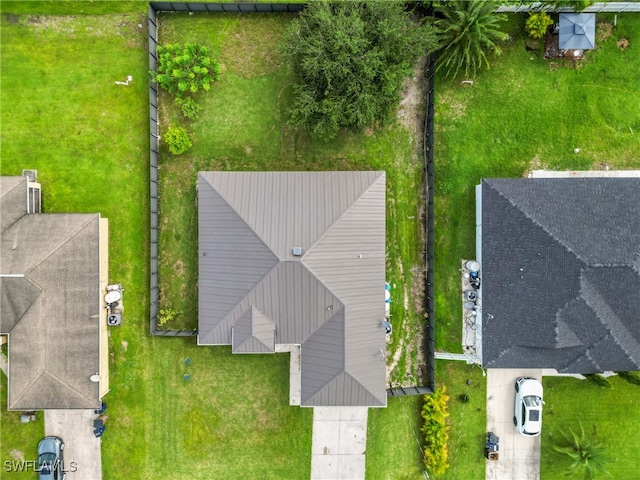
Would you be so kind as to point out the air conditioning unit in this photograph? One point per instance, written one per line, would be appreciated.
(114, 319)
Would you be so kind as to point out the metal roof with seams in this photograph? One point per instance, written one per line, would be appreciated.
(49, 303)
(254, 292)
(561, 273)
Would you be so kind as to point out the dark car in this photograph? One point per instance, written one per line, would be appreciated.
(50, 459)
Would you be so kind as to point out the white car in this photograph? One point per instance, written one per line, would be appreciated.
(528, 406)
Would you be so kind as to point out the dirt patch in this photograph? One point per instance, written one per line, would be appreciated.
(17, 454)
(125, 345)
(178, 267)
(124, 26)
(603, 31)
(553, 66)
(601, 166)
(623, 43)
(12, 18)
(535, 164)
(412, 105)
(418, 279)
(394, 361)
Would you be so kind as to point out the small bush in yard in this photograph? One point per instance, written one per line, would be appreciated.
(537, 24)
(436, 431)
(178, 140)
(190, 107)
(598, 380)
(184, 69)
(631, 377)
(166, 315)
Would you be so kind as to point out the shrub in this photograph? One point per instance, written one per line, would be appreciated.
(631, 377)
(184, 69)
(178, 140)
(166, 315)
(537, 24)
(586, 451)
(436, 431)
(190, 107)
(598, 380)
(464, 397)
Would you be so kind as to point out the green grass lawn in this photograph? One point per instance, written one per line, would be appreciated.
(242, 127)
(63, 115)
(614, 411)
(394, 437)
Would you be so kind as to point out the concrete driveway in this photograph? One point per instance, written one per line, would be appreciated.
(82, 457)
(519, 456)
(339, 443)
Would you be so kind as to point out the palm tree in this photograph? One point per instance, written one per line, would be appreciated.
(587, 452)
(465, 31)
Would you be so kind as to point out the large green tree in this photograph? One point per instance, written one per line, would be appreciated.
(466, 31)
(348, 61)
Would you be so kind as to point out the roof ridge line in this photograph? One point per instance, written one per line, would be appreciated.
(35, 378)
(25, 209)
(342, 215)
(51, 374)
(606, 324)
(335, 312)
(40, 290)
(542, 227)
(244, 220)
(329, 382)
(68, 239)
(251, 305)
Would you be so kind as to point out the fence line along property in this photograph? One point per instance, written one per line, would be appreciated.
(154, 155)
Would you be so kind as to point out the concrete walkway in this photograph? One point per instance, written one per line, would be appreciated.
(82, 457)
(339, 443)
(519, 456)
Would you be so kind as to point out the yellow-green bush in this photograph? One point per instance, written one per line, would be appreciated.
(436, 431)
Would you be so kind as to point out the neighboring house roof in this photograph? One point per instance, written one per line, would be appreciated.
(329, 299)
(561, 274)
(577, 31)
(49, 303)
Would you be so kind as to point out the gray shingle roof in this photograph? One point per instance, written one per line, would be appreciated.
(329, 299)
(50, 302)
(560, 274)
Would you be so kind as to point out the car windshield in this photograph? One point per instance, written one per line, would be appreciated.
(532, 401)
(47, 458)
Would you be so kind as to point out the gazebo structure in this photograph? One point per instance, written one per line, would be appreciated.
(577, 31)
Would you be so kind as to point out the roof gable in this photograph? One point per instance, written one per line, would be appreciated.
(253, 333)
